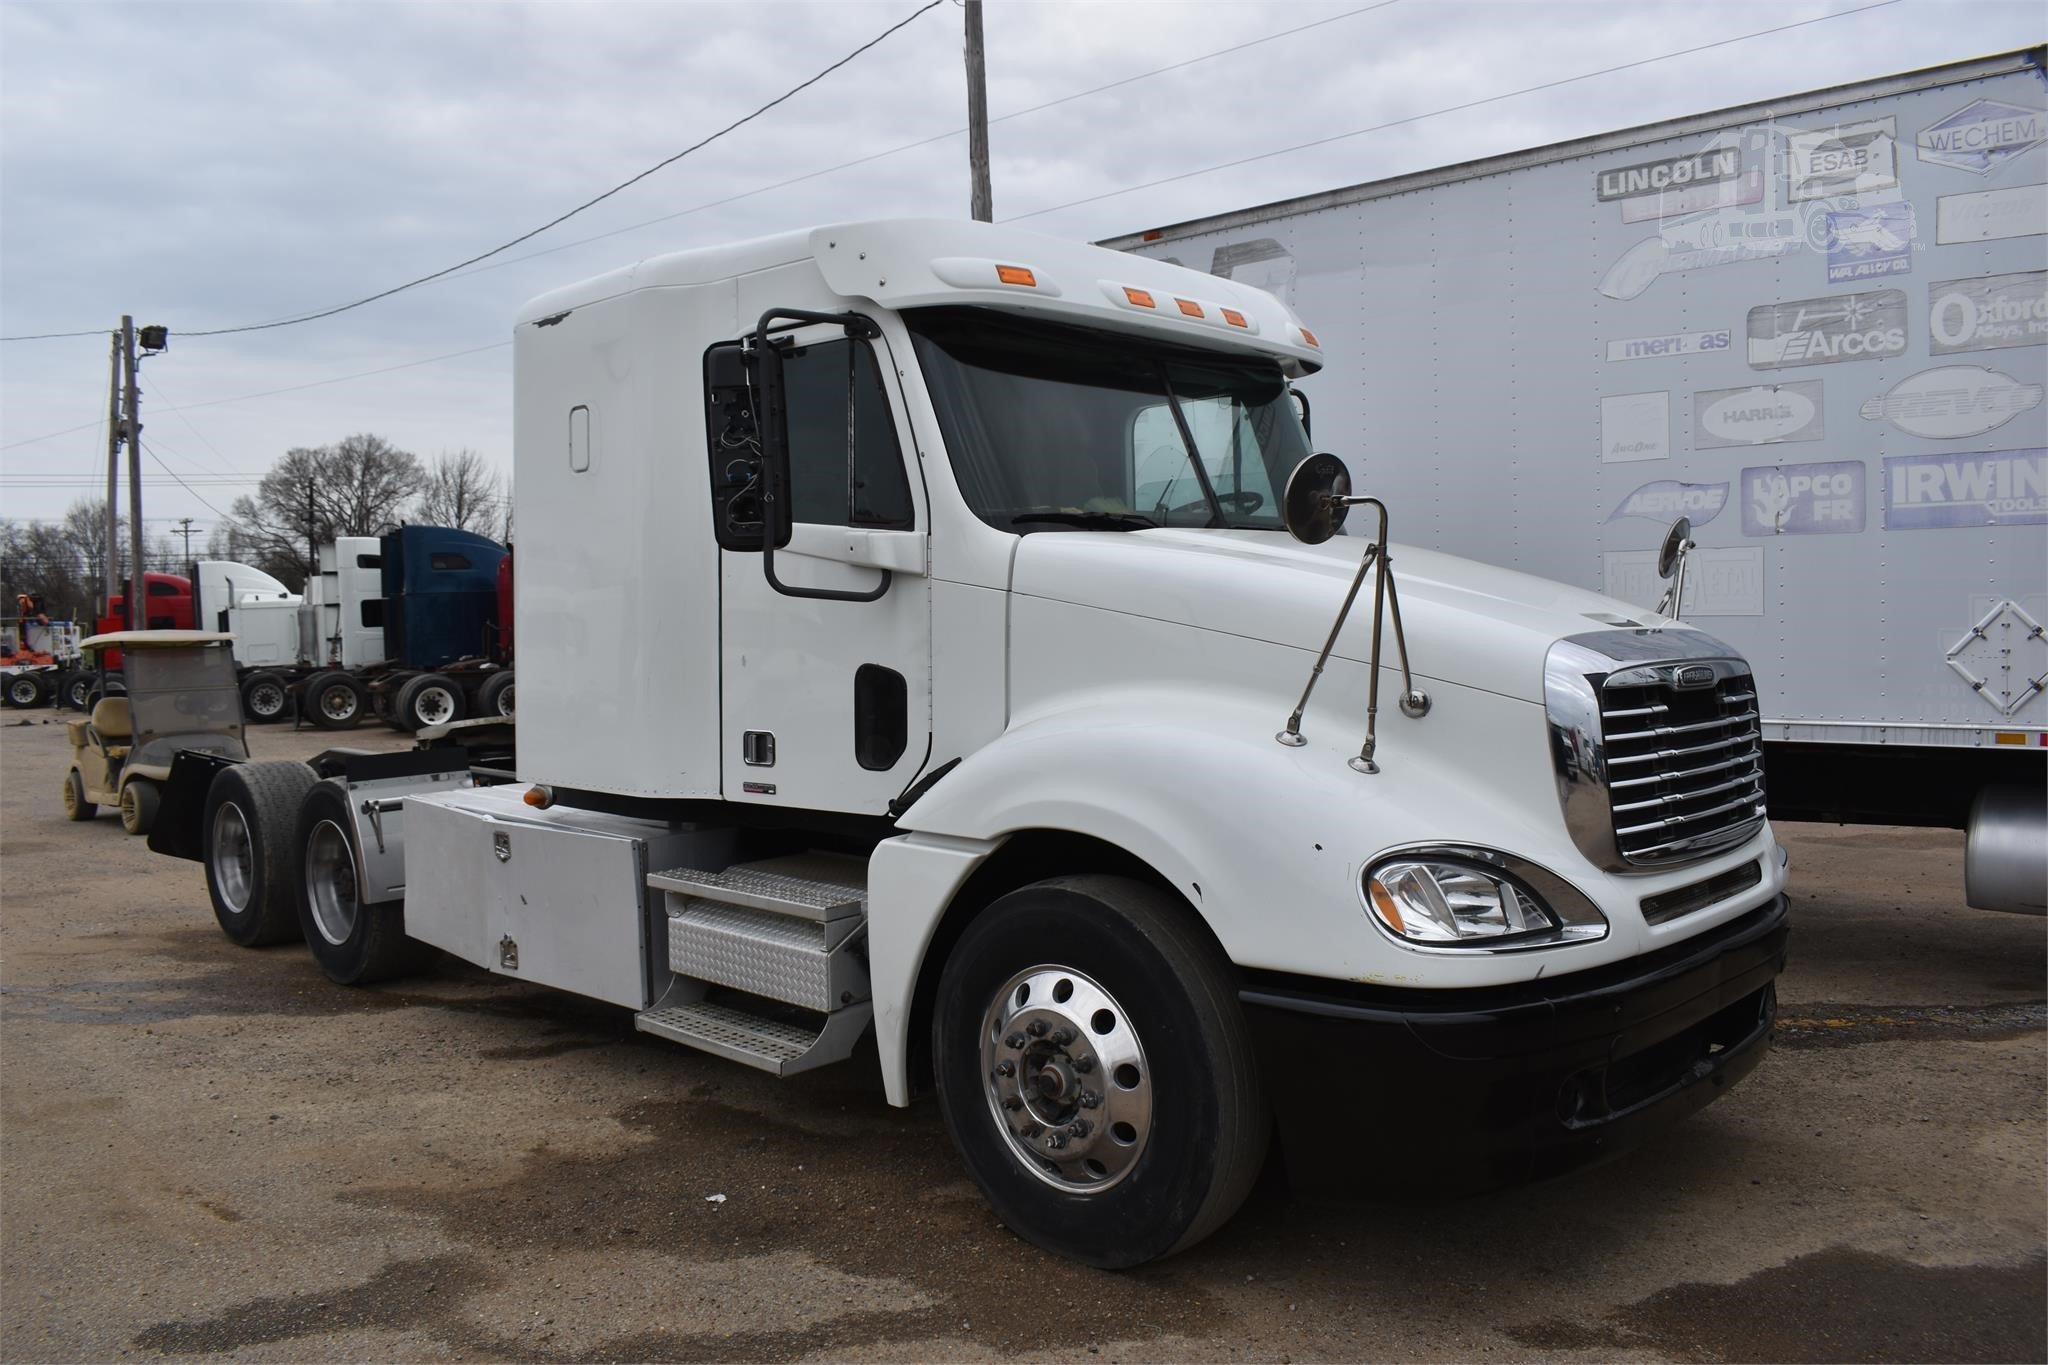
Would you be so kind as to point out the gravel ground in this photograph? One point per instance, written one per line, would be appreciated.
(208, 1151)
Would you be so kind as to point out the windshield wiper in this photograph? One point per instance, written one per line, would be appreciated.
(1094, 521)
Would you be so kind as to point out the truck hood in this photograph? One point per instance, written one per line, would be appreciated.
(1467, 623)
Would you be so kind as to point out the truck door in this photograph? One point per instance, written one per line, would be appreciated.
(826, 702)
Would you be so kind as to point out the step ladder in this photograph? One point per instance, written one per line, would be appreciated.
(784, 931)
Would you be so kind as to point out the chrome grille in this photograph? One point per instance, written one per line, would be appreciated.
(1684, 765)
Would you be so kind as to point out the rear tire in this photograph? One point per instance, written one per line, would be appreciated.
(354, 943)
(428, 699)
(251, 850)
(76, 807)
(333, 701)
(72, 690)
(264, 700)
(1130, 1123)
(139, 801)
(495, 697)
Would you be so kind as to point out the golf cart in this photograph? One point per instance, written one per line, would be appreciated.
(181, 695)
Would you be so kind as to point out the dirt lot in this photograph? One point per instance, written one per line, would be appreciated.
(208, 1151)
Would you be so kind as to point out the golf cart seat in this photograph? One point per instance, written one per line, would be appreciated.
(111, 724)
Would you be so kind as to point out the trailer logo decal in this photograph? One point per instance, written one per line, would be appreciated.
(1642, 264)
(1952, 401)
(1986, 488)
(1748, 188)
(1850, 158)
(1991, 215)
(1672, 343)
(1826, 331)
(1635, 426)
(1762, 414)
(1987, 313)
(1668, 173)
(1719, 581)
(1668, 498)
(1868, 242)
(1982, 136)
(1803, 499)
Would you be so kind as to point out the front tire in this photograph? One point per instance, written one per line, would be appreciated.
(333, 701)
(427, 699)
(354, 943)
(263, 698)
(496, 697)
(24, 690)
(139, 800)
(1094, 1070)
(251, 853)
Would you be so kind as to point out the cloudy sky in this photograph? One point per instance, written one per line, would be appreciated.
(209, 165)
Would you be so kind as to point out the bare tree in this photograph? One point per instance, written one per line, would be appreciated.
(356, 487)
(62, 561)
(464, 492)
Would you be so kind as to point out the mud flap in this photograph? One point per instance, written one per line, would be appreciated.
(179, 829)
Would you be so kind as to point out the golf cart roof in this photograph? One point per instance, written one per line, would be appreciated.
(155, 639)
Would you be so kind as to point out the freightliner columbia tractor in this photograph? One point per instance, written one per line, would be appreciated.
(963, 688)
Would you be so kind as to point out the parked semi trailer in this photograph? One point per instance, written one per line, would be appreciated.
(1814, 326)
(963, 687)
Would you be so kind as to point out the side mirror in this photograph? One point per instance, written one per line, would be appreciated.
(1676, 542)
(771, 426)
(1313, 507)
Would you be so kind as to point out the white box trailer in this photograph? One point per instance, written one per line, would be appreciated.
(1816, 327)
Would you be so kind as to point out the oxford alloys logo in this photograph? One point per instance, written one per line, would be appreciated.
(1869, 326)
(1668, 173)
(1953, 401)
(1987, 313)
(1761, 414)
(1982, 136)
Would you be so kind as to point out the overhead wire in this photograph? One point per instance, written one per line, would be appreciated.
(1449, 109)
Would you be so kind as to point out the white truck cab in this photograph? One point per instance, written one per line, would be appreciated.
(952, 625)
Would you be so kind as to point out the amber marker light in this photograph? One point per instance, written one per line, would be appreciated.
(540, 798)
(1389, 911)
(1310, 338)
(1234, 318)
(1016, 274)
(1139, 297)
(1191, 308)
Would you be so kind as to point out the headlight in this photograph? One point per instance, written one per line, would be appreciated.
(1474, 899)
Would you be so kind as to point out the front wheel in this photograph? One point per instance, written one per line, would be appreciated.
(354, 942)
(24, 689)
(427, 699)
(1094, 1070)
(263, 698)
(333, 701)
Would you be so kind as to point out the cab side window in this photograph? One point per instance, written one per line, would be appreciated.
(845, 466)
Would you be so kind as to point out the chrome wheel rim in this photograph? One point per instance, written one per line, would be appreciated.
(433, 706)
(331, 883)
(505, 702)
(1067, 1081)
(24, 691)
(234, 857)
(266, 699)
(338, 703)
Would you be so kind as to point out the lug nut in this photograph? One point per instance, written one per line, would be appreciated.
(1080, 1128)
(1055, 1141)
(1012, 1102)
(1036, 1028)
(1063, 1037)
(1015, 1040)
(1083, 1064)
(1032, 1130)
(1006, 1067)
(1089, 1099)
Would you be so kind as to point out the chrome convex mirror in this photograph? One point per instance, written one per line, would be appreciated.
(1316, 502)
(1678, 543)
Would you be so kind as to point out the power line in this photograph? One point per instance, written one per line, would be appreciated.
(588, 203)
(1438, 113)
(151, 452)
(272, 393)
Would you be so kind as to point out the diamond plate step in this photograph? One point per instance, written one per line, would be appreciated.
(765, 953)
(812, 886)
(767, 1044)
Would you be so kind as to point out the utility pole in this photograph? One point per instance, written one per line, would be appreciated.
(138, 586)
(977, 116)
(185, 530)
(312, 537)
(112, 583)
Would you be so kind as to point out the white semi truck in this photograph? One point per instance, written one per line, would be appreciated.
(966, 691)
(1818, 327)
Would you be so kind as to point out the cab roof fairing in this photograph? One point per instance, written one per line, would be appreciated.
(928, 262)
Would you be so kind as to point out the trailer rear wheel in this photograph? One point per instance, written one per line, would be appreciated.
(1094, 1070)
(251, 850)
(263, 697)
(139, 800)
(495, 697)
(72, 689)
(334, 701)
(429, 699)
(354, 943)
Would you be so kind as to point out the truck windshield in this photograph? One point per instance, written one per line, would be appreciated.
(1051, 426)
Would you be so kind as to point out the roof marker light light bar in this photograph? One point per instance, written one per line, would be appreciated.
(1234, 318)
(1138, 297)
(1191, 308)
(1017, 274)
